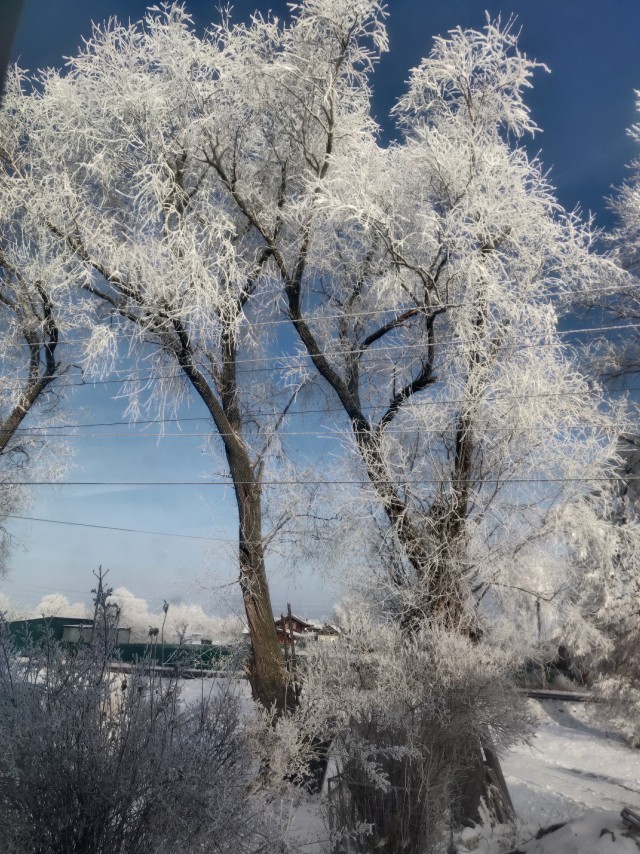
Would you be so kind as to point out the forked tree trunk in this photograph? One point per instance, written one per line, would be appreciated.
(431, 553)
(443, 600)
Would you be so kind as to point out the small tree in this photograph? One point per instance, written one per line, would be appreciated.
(605, 531)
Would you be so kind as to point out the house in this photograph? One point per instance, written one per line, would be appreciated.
(293, 627)
(328, 632)
(34, 630)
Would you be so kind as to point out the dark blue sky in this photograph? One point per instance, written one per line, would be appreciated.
(584, 107)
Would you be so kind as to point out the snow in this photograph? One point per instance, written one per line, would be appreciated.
(573, 770)
(572, 764)
(599, 832)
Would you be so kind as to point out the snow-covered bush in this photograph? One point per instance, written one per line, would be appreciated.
(620, 699)
(403, 721)
(94, 762)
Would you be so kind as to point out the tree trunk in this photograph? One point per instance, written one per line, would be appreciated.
(267, 673)
(36, 382)
(430, 551)
(432, 555)
(483, 781)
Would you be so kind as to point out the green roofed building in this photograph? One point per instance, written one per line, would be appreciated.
(60, 629)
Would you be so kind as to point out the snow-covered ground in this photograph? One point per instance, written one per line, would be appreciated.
(572, 764)
(573, 768)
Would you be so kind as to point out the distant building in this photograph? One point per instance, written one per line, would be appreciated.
(65, 629)
(293, 627)
(328, 632)
(299, 629)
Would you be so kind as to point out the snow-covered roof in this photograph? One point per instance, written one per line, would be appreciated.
(293, 617)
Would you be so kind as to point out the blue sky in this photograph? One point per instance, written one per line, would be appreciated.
(584, 107)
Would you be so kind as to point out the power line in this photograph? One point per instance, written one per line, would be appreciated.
(286, 321)
(118, 423)
(408, 403)
(293, 360)
(315, 434)
(306, 482)
(146, 421)
(228, 540)
(115, 528)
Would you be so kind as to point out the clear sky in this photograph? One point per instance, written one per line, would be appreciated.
(584, 107)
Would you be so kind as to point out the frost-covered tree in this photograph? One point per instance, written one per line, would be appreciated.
(33, 315)
(441, 264)
(187, 620)
(604, 532)
(57, 605)
(610, 549)
(11, 610)
(181, 620)
(425, 285)
(627, 205)
(132, 157)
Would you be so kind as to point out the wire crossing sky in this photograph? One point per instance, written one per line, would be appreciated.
(583, 108)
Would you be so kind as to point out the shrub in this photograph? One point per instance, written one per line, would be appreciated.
(93, 761)
(405, 722)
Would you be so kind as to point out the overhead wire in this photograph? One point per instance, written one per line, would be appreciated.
(293, 360)
(326, 482)
(408, 403)
(613, 290)
(191, 418)
(314, 434)
(118, 528)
